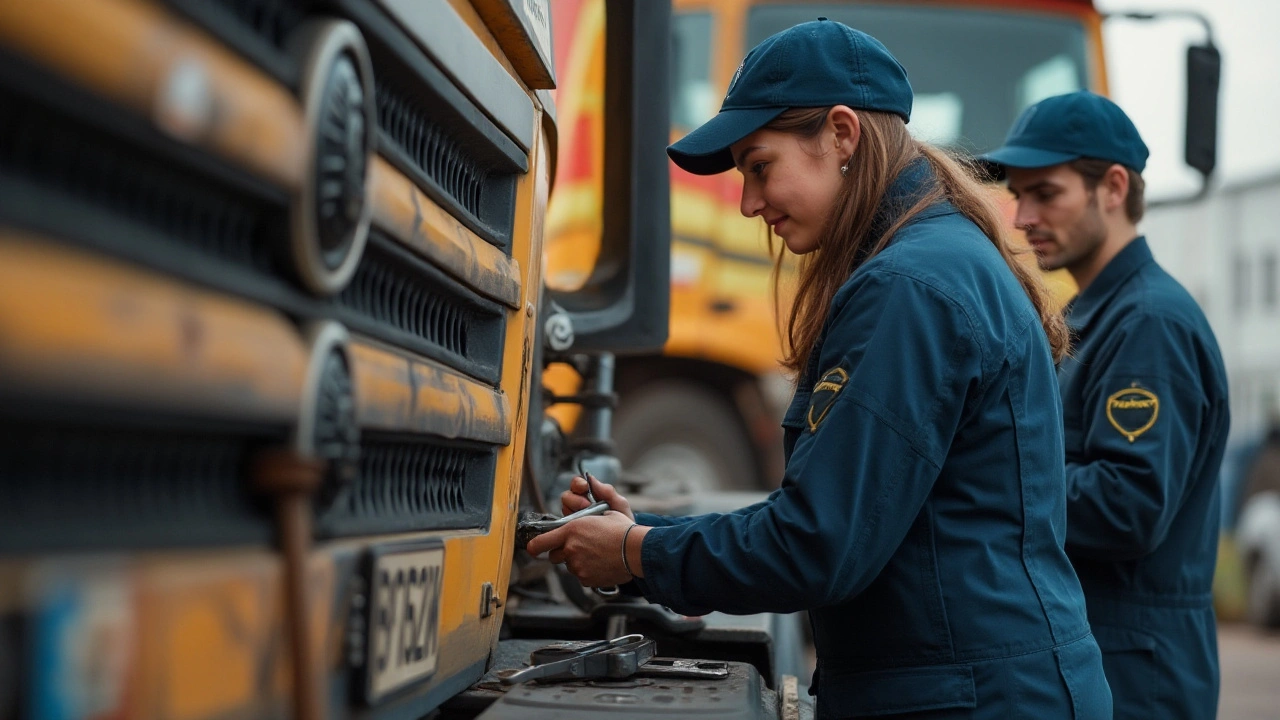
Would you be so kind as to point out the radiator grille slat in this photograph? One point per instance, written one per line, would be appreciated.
(414, 484)
(77, 486)
(98, 171)
(431, 148)
(394, 290)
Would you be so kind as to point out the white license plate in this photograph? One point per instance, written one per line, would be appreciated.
(404, 619)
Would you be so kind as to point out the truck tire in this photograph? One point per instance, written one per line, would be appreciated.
(685, 439)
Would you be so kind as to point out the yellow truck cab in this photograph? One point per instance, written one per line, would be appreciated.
(272, 321)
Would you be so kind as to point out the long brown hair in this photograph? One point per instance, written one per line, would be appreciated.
(884, 151)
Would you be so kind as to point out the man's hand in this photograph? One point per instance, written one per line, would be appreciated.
(590, 547)
(575, 498)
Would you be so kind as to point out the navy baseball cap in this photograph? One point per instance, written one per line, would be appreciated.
(1069, 127)
(814, 64)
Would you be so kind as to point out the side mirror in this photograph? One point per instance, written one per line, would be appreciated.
(1204, 71)
(625, 304)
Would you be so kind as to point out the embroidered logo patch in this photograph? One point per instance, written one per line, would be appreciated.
(1133, 411)
(824, 394)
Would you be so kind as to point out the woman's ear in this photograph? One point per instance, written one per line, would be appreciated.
(844, 125)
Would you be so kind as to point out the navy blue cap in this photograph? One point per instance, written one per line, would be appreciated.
(1069, 127)
(814, 64)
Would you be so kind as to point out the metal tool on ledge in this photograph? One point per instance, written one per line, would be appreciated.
(618, 659)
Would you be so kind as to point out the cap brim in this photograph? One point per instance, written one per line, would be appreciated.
(1015, 156)
(705, 151)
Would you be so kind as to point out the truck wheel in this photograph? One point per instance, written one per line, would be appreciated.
(685, 439)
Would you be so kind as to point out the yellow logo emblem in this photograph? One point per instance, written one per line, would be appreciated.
(1133, 411)
(824, 394)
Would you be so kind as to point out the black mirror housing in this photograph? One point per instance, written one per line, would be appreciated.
(1204, 71)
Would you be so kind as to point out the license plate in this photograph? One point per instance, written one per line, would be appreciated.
(404, 618)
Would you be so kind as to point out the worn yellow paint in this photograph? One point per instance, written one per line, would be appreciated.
(162, 68)
(79, 325)
(214, 632)
(399, 392)
(413, 219)
(207, 629)
(530, 228)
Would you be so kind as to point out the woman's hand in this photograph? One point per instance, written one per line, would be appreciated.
(591, 548)
(575, 498)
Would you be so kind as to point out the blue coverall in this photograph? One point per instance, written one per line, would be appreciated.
(1146, 417)
(922, 514)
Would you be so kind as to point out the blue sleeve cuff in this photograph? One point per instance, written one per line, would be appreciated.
(652, 520)
(650, 559)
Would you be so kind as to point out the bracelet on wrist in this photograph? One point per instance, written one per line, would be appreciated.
(626, 565)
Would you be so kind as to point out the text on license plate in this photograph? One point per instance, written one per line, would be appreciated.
(404, 619)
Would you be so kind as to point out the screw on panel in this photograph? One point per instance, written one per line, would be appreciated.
(489, 600)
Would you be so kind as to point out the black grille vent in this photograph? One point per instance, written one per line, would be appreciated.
(414, 485)
(390, 295)
(398, 297)
(427, 126)
(98, 172)
(410, 480)
(89, 487)
(431, 148)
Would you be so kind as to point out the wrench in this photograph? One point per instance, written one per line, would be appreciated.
(531, 528)
(533, 525)
(617, 658)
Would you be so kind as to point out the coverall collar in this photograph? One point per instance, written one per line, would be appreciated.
(916, 179)
(1082, 310)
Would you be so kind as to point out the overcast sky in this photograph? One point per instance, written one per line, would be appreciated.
(1147, 70)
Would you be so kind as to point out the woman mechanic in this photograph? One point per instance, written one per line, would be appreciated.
(921, 516)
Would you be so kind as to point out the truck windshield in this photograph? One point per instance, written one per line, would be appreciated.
(972, 70)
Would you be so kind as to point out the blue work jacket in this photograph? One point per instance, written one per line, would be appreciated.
(1145, 413)
(922, 513)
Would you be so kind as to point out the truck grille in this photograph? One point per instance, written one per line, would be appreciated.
(70, 486)
(414, 484)
(428, 128)
(125, 197)
(84, 171)
(90, 169)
